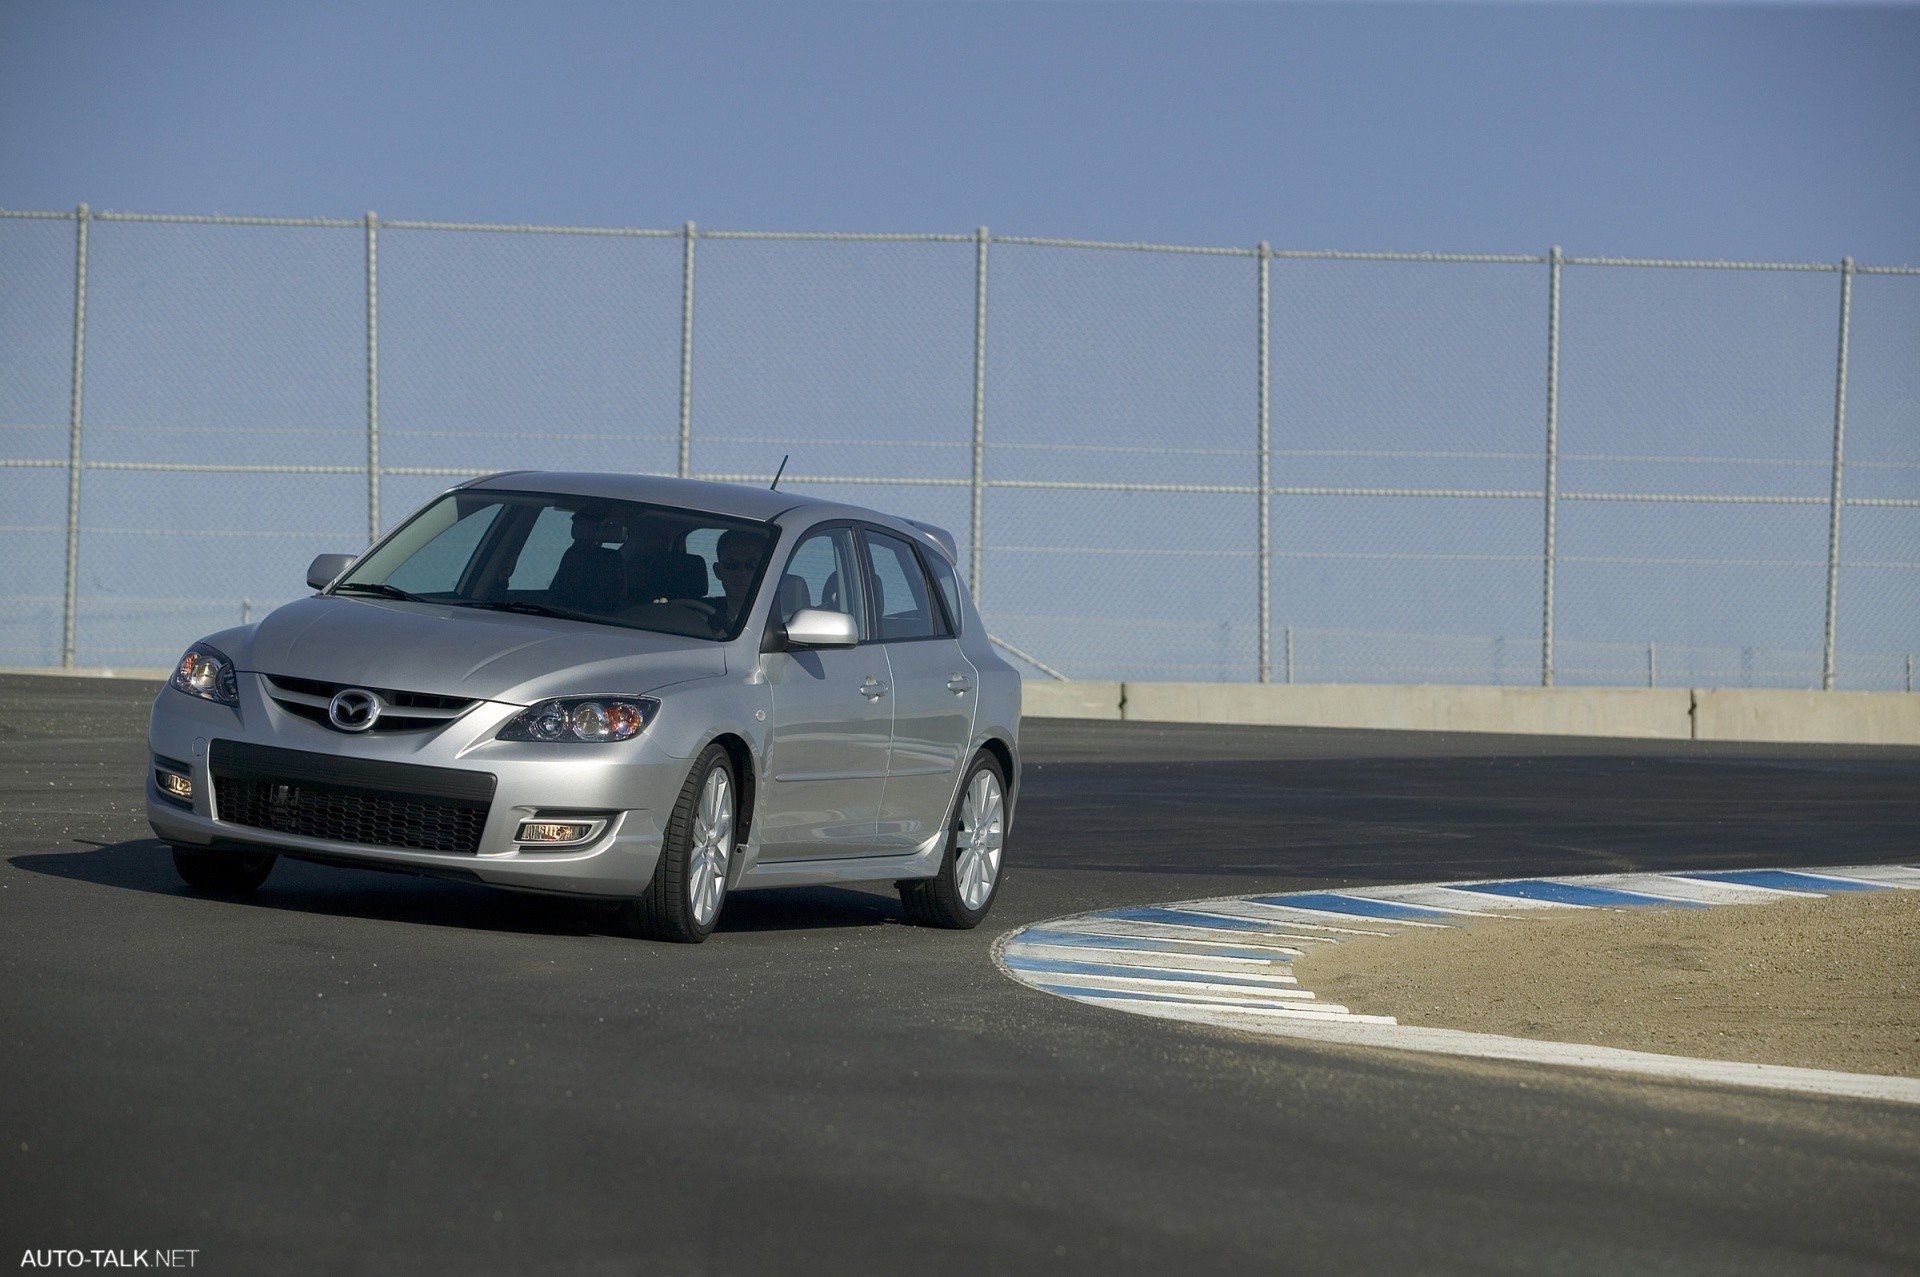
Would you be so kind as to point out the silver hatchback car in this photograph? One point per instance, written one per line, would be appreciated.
(653, 690)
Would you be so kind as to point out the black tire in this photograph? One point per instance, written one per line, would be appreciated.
(227, 872)
(668, 910)
(940, 901)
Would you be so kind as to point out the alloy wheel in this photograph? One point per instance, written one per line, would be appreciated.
(979, 839)
(712, 847)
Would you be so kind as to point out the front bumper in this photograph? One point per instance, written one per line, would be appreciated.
(631, 784)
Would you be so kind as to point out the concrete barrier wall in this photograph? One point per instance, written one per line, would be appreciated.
(1862, 718)
(1858, 718)
(1610, 711)
(1054, 699)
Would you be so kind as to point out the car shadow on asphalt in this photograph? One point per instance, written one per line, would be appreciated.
(144, 865)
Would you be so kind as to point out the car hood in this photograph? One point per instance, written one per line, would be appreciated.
(448, 651)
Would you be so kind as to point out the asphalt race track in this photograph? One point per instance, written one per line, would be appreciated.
(358, 1072)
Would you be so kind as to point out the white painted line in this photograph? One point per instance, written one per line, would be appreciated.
(1200, 958)
(1240, 968)
(1681, 890)
(1283, 917)
(1352, 919)
(1183, 988)
(1206, 936)
(1879, 875)
(1080, 988)
(1030, 954)
(1492, 1046)
(1759, 895)
(1448, 897)
(1210, 1012)
(1425, 897)
(1858, 878)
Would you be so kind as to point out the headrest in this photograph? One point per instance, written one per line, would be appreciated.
(684, 574)
(588, 577)
(669, 576)
(793, 596)
(595, 530)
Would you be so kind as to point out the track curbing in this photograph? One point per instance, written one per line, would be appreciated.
(1227, 961)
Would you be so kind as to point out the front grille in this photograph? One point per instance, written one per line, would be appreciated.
(399, 700)
(400, 711)
(351, 800)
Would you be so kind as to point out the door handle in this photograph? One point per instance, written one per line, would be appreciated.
(959, 684)
(872, 689)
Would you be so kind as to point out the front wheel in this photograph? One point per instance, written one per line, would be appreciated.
(959, 896)
(690, 883)
(228, 872)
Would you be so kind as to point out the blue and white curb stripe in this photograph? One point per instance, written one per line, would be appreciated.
(1228, 961)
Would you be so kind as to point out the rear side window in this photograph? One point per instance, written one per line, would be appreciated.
(902, 601)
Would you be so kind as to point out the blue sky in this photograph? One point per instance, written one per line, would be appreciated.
(1768, 132)
(1714, 130)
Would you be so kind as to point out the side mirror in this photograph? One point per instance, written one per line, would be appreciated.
(326, 569)
(817, 627)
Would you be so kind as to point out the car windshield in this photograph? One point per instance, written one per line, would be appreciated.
(607, 562)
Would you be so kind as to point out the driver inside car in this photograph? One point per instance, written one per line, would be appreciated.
(736, 557)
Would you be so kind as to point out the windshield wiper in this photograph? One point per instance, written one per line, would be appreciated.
(530, 609)
(377, 589)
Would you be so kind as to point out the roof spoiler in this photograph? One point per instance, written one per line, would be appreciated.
(941, 536)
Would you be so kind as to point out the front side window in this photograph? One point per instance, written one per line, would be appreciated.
(590, 559)
(824, 573)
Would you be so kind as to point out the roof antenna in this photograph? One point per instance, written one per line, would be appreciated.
(782, 470)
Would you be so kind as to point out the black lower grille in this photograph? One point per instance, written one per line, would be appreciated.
(350, 800)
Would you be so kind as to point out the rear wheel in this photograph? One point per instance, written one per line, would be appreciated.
(229, 872)
(959, 896)
(689, 885)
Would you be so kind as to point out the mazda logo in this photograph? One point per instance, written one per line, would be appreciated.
(353, 710)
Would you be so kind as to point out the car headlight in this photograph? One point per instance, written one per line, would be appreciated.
(208, 673)
(582, 719)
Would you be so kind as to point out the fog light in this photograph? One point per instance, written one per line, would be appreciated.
(175, 786)
(555, 831)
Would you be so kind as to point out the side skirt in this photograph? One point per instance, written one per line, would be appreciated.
(923, 862)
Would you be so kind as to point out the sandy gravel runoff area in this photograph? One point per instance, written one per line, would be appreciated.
(1829, 983)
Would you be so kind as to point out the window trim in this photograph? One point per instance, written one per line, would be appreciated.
(939, 596)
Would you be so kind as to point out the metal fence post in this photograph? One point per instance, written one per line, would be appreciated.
(1653, 667)
(373, 379)
(81, 217)
(1839, 472)
(979, 517)
(686, 353)
(1266, 484)
(1553, 461)
(1289, 654)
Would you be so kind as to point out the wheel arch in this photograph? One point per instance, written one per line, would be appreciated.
(1002, 751)
(741, 755)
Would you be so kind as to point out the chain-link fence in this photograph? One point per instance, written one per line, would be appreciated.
(1161, 462)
